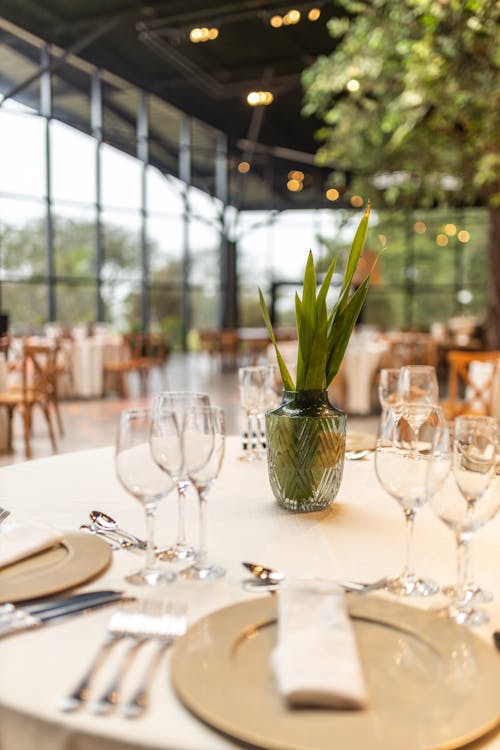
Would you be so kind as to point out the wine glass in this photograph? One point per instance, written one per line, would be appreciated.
(418, 385)
(203, 448)
(468, 500)
(252, 384)
(140, 476)
(178, 401)
(388, 387)
(406, 441)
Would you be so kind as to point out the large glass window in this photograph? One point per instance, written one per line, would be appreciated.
(22, 154)
(74, 178)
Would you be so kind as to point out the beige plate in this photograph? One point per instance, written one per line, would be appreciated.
(360, 441)
(76, 559)
(431, 683)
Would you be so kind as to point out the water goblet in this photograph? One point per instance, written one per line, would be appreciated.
(468, 500)
(179, 401)
(407, 439)
(140, 476)
(252, 385)
(418, 384)
(203, 447)
(388, 387)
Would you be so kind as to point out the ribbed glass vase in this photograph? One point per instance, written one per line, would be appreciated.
(305, 450)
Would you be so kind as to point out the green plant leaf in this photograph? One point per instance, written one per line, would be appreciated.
(345, 322)
(301, 365)
(307, 321)
(316, 371)
(288, 383)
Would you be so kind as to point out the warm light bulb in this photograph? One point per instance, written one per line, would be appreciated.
(463, 235)
(195, 35)
(353, 85)
(296, 174)
(213, 33)
(256, 98)
(441, 240)
(276, 22)
(294, 185)
(420, 227)
(356, 201)
(332, 194)
(314, 14)
(450, 230)
(243, 167)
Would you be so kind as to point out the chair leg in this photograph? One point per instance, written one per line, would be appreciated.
(55, 402)
(27, 431)
(46, 411)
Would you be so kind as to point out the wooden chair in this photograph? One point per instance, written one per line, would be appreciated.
(410, 348)
(465, 394)
(130, 360)
(38, 373)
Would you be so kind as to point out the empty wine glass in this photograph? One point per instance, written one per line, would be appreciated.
(418, 385)
(388, 387)
(203, 446)
(179, 401)
(468, 500)
(252, 384)
(401, 457)
(140, 476)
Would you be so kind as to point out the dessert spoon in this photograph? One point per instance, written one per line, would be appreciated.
(268, 579)
(106, 523)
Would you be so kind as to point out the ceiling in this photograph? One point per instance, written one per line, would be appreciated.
(147, 44)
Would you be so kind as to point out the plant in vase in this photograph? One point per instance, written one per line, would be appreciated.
(305, 434)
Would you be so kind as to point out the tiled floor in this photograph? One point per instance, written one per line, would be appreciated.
(92, 424)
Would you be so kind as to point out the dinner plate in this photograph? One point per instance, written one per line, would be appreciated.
(78, 558)
(360, 441)
(431, 683)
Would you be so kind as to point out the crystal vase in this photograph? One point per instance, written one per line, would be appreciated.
(305, 450)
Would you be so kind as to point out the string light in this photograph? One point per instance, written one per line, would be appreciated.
(332, 194)
(243, 167)
(353, 85)
(450, 230)
(420, 227)
(294, 185)
(276, 22)
(259, 98)
(291, 18)
(463, 235)
(296, 174)
(314, 14)
(441, 240)
(203, 34)
(357, 201)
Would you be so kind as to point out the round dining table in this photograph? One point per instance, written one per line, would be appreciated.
(360, 536)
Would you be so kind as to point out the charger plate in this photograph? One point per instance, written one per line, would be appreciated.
(432, 684)
(78, 558)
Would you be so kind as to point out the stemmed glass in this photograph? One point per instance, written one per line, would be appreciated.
(252, 384)
(469, 499)
(407, 440)
(141, 477)
(178, 401)
(388, 387)
(203, 441)
(418, 384)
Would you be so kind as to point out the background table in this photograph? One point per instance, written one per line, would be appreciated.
(360, 536)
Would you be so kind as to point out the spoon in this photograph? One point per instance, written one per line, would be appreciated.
(106, 523)
(356, 455)
(268, 579)
(114, 541)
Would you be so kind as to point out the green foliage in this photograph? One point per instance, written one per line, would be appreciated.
(425, 116)
(323, 337)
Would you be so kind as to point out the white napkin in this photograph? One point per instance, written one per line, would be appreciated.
(316, 660)
(18, 541)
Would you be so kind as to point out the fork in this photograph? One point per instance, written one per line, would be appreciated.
(118, 628)
(4, 514)
(145, 625)
(170, 626)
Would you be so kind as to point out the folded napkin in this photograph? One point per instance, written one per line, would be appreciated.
(316, 660)
(18, 541)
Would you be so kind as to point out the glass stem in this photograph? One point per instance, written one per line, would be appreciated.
(463, 558)
(150, 536)
(181, 524)
(409, 569)
(202, 556)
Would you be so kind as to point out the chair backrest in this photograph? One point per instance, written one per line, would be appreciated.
(411, 348)
(470, 382)
(39, 370)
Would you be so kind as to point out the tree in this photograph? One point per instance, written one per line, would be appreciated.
(410, 99)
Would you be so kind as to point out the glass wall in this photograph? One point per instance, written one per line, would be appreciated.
(111, 209)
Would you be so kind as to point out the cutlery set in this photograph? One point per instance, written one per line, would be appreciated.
(4, 514)
(138, 623)
(269, 579)
(106, 527)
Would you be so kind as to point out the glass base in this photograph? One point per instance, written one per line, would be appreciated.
(151, 577)
(411, 586)
(177, 553)
(205, 573)
(464, 615)
(472, 593)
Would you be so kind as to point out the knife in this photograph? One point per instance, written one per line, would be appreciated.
(14, 618)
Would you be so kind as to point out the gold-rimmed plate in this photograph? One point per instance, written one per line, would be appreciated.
(78, 558)
(431, 684)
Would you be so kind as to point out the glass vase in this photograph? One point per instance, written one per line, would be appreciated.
(305, 450)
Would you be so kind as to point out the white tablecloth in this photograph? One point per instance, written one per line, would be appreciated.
(360, 536)
(87, 358)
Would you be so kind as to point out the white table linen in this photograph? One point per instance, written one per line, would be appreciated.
(360, 536)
